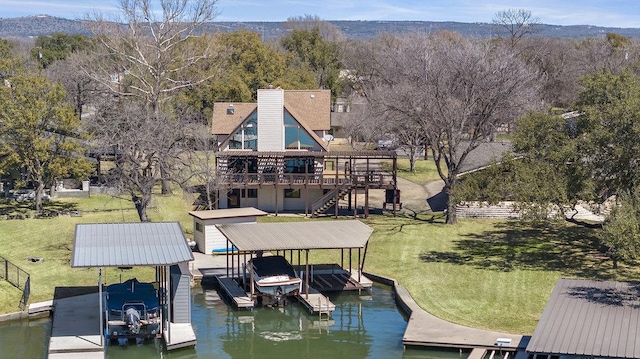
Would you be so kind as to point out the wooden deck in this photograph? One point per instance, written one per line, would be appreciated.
(316, 302)
(333, 278)
(235, 292)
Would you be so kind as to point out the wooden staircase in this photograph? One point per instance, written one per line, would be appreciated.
(328, 200)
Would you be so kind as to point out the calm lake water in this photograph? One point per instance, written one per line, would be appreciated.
(363, 326)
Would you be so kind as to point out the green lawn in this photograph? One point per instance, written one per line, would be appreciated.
(483, 273)
(52, 239)
(487, 274)
(425, 170)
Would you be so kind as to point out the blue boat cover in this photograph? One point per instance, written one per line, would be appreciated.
(131, 291)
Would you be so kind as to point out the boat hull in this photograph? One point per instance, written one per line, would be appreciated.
(273, 276)
(279, 288)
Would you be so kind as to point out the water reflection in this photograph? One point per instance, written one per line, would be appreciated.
(362, 326)
(25, 338)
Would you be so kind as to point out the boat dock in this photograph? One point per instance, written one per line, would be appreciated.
(326, 278)
(235, 292)
(179, 335)
(316, 302)
(75, 332)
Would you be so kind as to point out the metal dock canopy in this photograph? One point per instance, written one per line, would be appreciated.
(142, 244)
(297, 235)
(129, 244)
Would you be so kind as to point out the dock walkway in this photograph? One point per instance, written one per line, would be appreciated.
(180, 335)
(424, 329)
(316, 302)
(236, 293)
(75, 331)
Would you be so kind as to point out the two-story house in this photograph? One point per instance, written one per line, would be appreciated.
(275, 155)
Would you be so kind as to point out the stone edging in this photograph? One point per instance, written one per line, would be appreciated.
(405, 301)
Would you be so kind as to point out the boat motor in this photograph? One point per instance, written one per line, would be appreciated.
(132, 318)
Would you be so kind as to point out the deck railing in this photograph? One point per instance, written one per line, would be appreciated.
(17, 277)
(370, 178)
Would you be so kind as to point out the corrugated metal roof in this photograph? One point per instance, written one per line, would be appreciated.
(228, 213)
(297, 235)
(129, 244)
(590, 318)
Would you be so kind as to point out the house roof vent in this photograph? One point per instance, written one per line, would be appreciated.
(230, 109)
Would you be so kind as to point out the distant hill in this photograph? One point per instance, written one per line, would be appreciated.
(33, 26)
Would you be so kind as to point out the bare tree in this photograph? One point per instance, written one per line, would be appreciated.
(412, 141)
(198, 172)
(459, 91)
(79, 85)
(138, 142)
(150, 53)
(557, 62)
(513, 24)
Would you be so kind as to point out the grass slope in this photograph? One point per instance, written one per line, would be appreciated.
(483, 273)
(425, 170)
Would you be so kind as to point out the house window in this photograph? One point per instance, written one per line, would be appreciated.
(295, 136)
(237, 165)
(198, 227)
(329, 165)
(246, 137)
(292, 193)
(299, 165)
(250, 193)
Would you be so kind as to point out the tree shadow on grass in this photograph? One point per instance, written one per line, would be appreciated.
(26, 208)
(549, 246)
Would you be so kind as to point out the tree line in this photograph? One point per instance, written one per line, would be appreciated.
(149, 80)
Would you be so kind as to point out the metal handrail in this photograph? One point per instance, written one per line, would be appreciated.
(13, 274)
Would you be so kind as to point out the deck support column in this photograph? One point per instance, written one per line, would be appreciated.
(306, 276)
(359, 267)
(228, 255)
(251, 290)
(355, 199)
(102, 327)
(395, 181)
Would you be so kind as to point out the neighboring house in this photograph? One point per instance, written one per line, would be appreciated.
(588, 319)
(347, 112)
(274, 155)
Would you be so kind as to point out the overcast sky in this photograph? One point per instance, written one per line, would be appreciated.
(610, 13)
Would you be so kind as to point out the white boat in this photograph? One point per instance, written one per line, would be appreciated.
(274, 277)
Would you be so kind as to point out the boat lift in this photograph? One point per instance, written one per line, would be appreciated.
(289, 238)
(161, 245)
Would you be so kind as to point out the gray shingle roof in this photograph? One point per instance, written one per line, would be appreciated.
(129, 244)
(297, 235)
(590, 318)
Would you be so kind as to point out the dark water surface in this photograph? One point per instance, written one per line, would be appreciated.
(363, 326)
